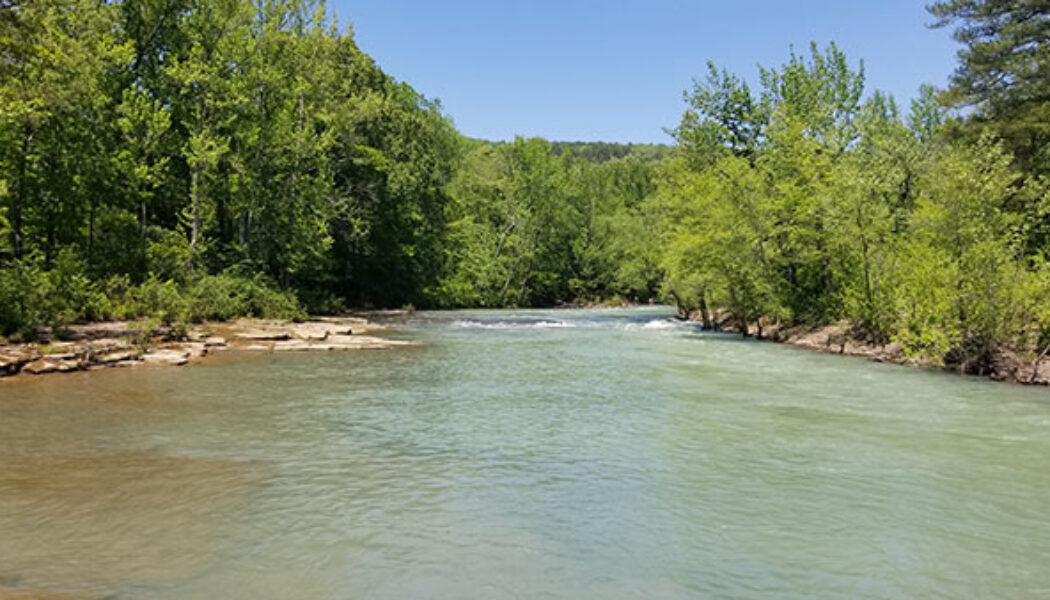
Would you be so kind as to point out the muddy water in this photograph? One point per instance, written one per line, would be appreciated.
(530, 454)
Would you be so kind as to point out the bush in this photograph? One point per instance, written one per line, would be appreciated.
(216, 298)
(142, 333)
(25, 300)
(120, 301)
(73, 296)
(161, 300)
(168, 254)
(32, 298)
(226, 296)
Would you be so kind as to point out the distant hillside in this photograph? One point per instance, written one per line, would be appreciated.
(599, 152)
(603, 151)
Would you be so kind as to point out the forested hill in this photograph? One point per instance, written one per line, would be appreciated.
(158, 153)
(599, 152)
(604, 151)
(204, 159)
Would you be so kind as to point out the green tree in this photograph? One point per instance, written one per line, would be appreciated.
(53, 55)
(1004, 71)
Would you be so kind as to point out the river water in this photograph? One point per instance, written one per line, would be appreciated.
(526, 454)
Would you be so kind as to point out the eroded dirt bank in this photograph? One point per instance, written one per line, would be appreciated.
(837, 338)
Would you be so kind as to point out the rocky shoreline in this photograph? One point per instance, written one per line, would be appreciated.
(838, 339)
(126, 344)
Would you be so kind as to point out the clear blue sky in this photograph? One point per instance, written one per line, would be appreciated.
(615, 70)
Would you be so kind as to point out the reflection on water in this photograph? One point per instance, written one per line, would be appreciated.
(560, 454)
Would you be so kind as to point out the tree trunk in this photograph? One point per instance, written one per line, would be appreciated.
(705, 314)
(49, 241)
(246, 234)
(18, 200)
(683, 313)
(195, 206)
(142, 221)
(743, 324)
(91, 228)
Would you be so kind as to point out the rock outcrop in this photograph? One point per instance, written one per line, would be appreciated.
(107, 345)
(51, 364)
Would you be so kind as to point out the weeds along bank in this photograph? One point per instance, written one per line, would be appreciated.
(38, 302)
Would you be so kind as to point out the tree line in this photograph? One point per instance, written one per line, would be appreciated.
(810, 201)
(209, 158)
(206, 159)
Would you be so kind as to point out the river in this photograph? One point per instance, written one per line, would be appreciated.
(526, 454)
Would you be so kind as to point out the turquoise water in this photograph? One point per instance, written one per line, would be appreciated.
(527, 454)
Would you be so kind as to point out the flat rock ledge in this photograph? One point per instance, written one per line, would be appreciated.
(108, 345)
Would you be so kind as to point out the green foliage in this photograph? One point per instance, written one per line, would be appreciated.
(224, 297)
(174, 140)
(836, 209)
(723, 115)
(32, 298)
(1004, 72)
(25, 300)
(513, 214)
(822, 94)
(212, 159)
(168, 254)
(142, 334)
(160, 300)
(962, 221)
(600, 152)
(530, 225)
(73, 297)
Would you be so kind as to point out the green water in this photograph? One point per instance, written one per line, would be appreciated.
(528, 454)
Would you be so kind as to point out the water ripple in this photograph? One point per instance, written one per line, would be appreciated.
(533, 454)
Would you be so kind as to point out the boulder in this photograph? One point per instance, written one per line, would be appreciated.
(195, 349)
(65, 356)
(214, 342)
(49, 364)
(313, 331)
(169, 357)
(115, 356)
(12, 362)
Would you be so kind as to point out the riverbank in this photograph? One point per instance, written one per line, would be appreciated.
(128, 344)
(838, 338)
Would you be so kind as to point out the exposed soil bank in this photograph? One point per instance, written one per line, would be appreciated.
(126, 344)
(838, 339)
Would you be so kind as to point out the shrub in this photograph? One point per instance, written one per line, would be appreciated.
(227, 296)
(217, 298)
(73, 296)
(142, 334)
(161, 300)
(120, 301)
(32, 298)
(25, 300)
(168, 254)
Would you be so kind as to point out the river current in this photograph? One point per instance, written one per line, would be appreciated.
(526, 454)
